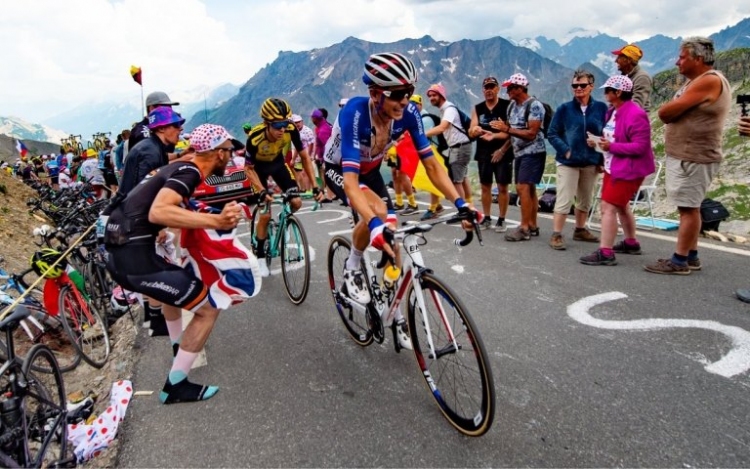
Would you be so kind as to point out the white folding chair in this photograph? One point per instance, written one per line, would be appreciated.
(643, 198)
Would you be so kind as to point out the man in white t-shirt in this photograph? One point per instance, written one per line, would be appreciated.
(459, 145)
(307, 135)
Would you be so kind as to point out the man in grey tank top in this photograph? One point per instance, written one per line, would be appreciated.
(694, 121)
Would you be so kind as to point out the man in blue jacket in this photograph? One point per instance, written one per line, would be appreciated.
(577, 163)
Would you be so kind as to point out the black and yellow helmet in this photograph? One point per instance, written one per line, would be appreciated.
(275, 109)
(42, 260)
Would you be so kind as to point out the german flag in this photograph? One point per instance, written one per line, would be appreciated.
(135, 72)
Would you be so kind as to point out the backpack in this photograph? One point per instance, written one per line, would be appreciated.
(548, 113)
(465, 122)
(712, 212)
(547, 201)
(442, 143)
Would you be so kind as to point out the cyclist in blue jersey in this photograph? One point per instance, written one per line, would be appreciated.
(363, 132)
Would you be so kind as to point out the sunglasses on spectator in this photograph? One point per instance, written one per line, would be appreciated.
(279, 125)
(399, 95)
(175, 126)
(609, 90)
(514, 87)
(579, 85)
(490, 86)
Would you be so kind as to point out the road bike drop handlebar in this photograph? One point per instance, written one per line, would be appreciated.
(283, 198)
(426, 226)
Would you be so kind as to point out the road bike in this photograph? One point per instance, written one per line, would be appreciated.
(40, 327)
(446, 342)
(72, 144)
(286, 239)
(100, 140)
(33, 410)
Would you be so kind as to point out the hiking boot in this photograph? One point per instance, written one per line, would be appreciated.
(557, 242)
(624, 248)
(356, 286)
(428, 215)
(410, 210)
(486, 223)
(402, 334)
(694, 264)
(584, 235)
(398, 207)
(534, 231)
(500, 227)
(667, 267)
(519, 234)
(598, 258)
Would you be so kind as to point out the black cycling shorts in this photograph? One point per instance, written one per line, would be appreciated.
(372, 180)
(280, 172)
(137, 267)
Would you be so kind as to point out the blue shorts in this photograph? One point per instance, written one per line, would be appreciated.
(530, 168)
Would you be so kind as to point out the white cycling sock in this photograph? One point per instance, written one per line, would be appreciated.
(354, 260)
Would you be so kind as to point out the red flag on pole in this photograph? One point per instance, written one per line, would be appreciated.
(135, 72)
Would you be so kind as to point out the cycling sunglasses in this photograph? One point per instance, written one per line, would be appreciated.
(279, 125)
(399, 95)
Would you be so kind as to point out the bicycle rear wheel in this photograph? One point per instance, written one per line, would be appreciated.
(458, 375)
(295, 260)
(45, 410)
(85, 326)
(355, 321)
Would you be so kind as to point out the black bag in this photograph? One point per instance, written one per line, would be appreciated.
(713, 212)
(547, 201)
(441, 143)
(513, 199)
(548, 113)
(465, 123)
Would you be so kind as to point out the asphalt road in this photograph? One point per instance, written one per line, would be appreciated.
(593, 367)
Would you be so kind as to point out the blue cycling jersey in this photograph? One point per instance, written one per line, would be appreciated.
(352, 135)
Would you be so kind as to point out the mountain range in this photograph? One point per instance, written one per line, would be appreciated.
(320, 77)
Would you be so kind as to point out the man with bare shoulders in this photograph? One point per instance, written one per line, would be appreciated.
(692, 141)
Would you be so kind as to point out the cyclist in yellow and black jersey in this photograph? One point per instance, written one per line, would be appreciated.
(264, 157)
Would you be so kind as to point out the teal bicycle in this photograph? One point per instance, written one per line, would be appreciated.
(288, 241)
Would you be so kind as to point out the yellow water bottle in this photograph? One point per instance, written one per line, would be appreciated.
(390, 276)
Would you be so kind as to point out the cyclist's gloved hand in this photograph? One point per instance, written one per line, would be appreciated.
(464, 209)
(381, 237)
(317, 194)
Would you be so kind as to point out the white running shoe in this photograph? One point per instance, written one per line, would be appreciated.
(263, 268)
(402, 333)
(356, 286)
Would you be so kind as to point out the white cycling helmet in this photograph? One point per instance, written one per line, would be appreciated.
(389, 69)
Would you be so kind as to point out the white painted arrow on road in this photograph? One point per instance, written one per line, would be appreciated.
(736, 362)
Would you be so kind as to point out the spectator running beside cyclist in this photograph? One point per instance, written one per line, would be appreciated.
(130, 235)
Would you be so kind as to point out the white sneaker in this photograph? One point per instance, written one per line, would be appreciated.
(263, 268)
(356, 286)
(402, 333)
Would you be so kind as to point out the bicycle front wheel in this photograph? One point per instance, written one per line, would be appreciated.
(452, 357)
(86, 328)
(295, 260)
(355, 321)
(44, 405)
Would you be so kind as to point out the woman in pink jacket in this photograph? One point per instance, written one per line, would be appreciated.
(628, 159)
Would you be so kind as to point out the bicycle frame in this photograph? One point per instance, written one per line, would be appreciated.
(413, 268)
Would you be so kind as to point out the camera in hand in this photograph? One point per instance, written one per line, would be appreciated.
(743, 100)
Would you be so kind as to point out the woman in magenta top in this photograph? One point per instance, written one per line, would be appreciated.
(628, 159)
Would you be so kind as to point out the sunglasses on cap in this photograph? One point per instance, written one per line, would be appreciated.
(579, 85)
(279, 125)
(399, 95)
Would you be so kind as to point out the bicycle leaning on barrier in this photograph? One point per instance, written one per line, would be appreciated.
(446, 342)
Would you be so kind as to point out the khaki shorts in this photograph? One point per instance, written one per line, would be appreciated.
(575, 182)
(687, 182)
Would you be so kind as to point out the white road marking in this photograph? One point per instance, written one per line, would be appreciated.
(458, 269)
(736, 362)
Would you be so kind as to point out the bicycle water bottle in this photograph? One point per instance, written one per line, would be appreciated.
(101, 227)
(390, 276)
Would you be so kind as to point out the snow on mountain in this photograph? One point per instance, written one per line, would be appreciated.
(18, 128)
(528, 43)
(577, 32)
